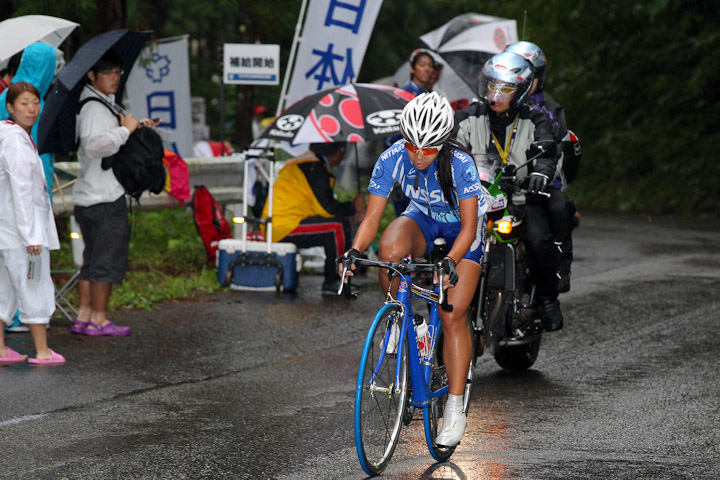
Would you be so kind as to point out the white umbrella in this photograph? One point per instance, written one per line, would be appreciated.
(19, 32)
(462, 46)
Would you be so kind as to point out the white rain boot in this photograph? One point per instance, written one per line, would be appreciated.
(454, 422)
(393, 340)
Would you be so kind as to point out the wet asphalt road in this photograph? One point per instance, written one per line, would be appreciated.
(246, 385)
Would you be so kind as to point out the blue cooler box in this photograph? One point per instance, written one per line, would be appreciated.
(257, 274)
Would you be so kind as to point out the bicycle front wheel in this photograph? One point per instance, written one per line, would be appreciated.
(380, 395)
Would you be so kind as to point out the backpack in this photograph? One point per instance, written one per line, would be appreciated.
(210, 220)
(138, 165)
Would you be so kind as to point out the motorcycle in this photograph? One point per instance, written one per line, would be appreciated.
(503, 313)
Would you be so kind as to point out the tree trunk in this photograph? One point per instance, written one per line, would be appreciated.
(111, 15)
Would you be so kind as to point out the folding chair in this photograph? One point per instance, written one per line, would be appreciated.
(69, 180)
(62, 302)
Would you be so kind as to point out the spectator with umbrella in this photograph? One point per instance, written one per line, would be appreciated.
(94, 76)
(101, 208)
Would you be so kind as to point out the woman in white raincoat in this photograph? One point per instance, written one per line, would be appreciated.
(27, 228)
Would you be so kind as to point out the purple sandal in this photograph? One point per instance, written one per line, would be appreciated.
(109, 330)
(78, 326)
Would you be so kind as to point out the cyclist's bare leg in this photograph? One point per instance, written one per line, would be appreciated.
(402, 237)
(456, 337)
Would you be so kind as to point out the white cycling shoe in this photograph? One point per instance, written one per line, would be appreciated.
(453, 428)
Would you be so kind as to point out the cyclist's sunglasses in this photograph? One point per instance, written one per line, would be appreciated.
(425, 151)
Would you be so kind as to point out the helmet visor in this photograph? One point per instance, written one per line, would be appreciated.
(500, 91)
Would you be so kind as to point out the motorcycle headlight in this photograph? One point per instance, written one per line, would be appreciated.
(504, 227)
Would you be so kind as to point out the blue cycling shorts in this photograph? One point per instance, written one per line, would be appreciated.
(433, 229)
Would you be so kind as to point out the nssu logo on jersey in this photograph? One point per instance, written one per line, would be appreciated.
(472, 188)
(435, 196)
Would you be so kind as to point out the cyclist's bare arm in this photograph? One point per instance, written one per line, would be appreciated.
(369, 226)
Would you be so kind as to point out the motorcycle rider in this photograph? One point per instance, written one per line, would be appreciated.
(502, 122)
(562, 209)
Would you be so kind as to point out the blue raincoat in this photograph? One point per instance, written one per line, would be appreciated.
(37, 67)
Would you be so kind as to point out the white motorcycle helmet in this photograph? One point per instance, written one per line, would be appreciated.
(534, 55)
(427, 120)
(506, 77)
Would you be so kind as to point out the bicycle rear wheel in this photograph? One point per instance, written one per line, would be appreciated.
(380, 400)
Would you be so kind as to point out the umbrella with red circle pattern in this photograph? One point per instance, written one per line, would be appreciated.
(355, 112)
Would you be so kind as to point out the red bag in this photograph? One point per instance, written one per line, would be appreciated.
(210, 220)
(177, 182)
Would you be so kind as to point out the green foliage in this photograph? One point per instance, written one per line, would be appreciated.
(641, 99)
(167, 261)
(144, 289)
(637, 78)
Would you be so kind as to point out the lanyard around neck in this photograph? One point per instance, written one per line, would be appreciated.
(504, 154)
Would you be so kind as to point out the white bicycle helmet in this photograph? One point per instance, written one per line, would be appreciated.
(427, 120)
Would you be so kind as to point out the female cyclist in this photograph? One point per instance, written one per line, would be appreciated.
(446, 200)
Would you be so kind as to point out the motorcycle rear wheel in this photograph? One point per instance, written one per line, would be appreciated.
(518, 357)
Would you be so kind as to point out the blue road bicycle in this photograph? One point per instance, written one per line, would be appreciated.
(398, 372)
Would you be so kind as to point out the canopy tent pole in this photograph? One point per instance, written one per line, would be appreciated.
(357, 168)
(291, 60)
(221, 50)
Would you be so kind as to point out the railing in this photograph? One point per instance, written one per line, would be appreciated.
(223, 176)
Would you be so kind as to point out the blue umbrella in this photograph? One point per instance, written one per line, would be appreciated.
(56, 129)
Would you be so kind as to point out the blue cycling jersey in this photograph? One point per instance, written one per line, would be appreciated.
(422, 187)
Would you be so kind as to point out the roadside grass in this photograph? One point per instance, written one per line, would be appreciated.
(167, 261)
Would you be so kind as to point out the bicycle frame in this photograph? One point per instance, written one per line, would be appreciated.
(412, 374)
(420, 370)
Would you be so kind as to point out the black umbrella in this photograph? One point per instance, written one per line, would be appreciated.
(56, 130)
(355, 112)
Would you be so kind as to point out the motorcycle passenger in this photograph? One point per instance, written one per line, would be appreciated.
(562, 209)
(503, 123)
(446, 200)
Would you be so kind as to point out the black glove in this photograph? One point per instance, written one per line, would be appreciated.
(537, 182)
(351, 254)
(449, 265)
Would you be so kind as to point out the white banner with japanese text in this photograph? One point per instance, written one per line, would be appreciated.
(159, 87)
(334, 39)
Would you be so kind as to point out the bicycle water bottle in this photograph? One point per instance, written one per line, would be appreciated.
(438, 252)
(423, 336)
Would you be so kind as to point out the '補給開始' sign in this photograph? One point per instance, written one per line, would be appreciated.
(251, 64)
